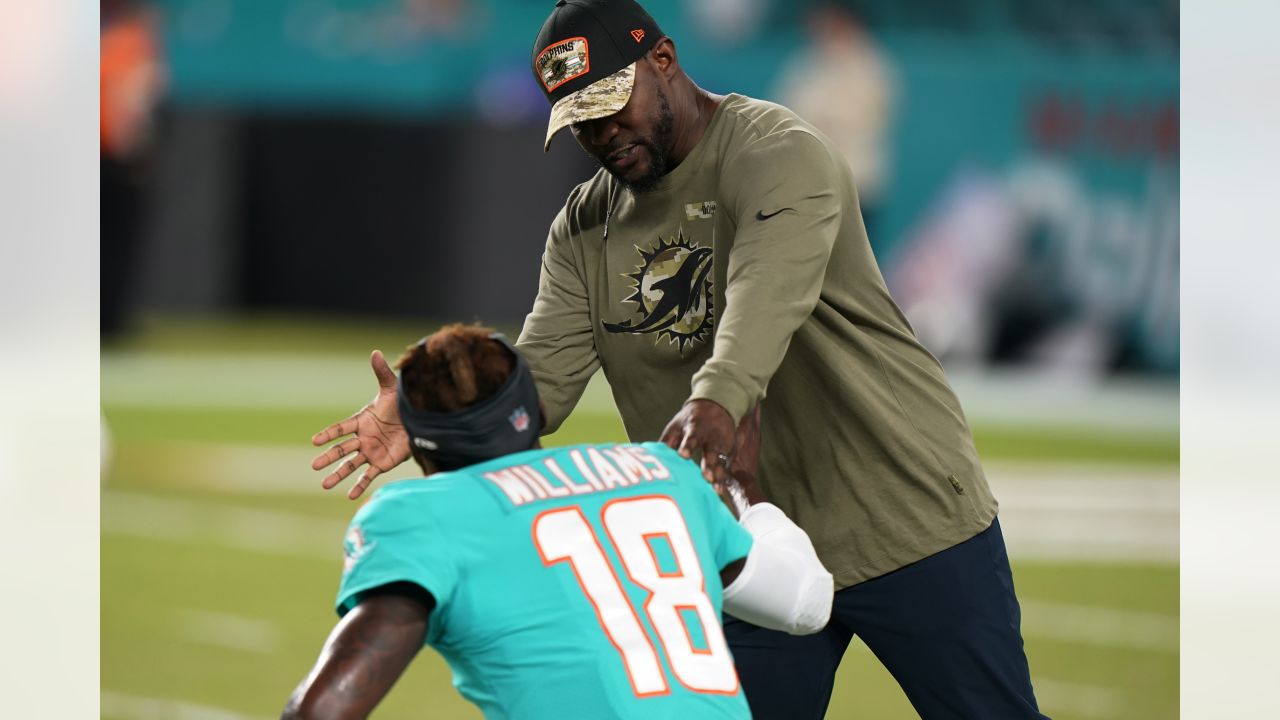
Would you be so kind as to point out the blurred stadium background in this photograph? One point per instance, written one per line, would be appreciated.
(287, 185)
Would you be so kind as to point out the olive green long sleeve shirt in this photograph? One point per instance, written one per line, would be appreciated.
(747, 272)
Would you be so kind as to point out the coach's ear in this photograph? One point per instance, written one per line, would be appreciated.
(663, 59)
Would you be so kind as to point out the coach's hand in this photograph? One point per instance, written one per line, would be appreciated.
(745, 467)
(702, 426)
(379, 439)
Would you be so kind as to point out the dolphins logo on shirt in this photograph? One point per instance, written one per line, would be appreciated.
(354, 547)
(672, 293)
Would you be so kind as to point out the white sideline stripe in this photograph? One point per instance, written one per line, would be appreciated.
(157, 380)
(257, 469)
(1028, 396)
(1088, 512)
(340, 383)
(268, 531)
(151, 379)
(233, 632)
(1095, 701)
(124, 706)
(1080, 536)
(1100, 626)
(140, 515)
(1048, 512)
(1057, 697)
(1086, 487)
(1090, 625)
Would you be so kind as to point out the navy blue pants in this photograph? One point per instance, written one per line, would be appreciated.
(946, 628)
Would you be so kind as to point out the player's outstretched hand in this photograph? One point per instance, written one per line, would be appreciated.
(703, 427)
(378, 438)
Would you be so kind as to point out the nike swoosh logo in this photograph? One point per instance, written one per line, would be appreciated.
(761, 216)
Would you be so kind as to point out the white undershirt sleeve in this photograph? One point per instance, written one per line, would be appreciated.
(783, 585)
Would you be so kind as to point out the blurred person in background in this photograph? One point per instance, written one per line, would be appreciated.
(497, 559)
(131, 80)
(719, 251)
(726, 23)
(963, 252)
(439, 16)
(845, 86)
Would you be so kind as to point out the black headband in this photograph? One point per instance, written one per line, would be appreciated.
(504, 423)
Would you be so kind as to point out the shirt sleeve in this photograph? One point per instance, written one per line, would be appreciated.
(784, 191)
(395, 540)
(556, 338)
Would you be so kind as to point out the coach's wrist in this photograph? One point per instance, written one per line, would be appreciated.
(727, 394)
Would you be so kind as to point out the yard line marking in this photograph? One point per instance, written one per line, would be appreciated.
(1029, 396)
(256, 469)
(125, 706)
(1094, 701)
(258, 381)
(1088, 512)
(1085, 487)
(1044, 537)
(1091, 625)
(1047, 513)
(1089, 487)
(234, 632)
(156, 379)
(140, 515)
(1058, 696)
(1104, 627)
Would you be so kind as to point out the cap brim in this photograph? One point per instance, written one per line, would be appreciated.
(601, 98)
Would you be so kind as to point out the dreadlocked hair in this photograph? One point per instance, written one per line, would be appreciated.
(457, 366)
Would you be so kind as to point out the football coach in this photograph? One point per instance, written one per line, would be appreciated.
(718, 253)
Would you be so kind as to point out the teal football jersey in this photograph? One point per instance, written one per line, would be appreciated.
(574, 582)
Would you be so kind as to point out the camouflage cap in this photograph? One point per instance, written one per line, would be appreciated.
(584, 58)
(601, 98)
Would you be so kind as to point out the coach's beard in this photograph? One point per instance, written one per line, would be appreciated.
(664, 124)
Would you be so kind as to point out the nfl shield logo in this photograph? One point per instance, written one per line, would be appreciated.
(519, 419)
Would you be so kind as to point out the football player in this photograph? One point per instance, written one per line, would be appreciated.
(577, 582)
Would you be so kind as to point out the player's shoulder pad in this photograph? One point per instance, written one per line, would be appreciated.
(404, 503)
(680, 468)
(661, 451)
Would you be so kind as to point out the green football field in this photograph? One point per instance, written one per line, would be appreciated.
(220, 554)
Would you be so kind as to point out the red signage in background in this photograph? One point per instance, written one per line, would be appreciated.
(1119, 128)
